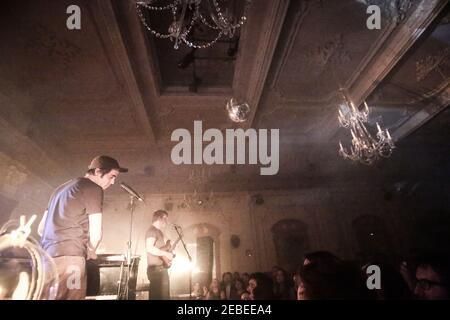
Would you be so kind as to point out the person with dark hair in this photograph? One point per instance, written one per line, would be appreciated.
(260, 287)
(71, 228)
(433, 277)
(239, 289)
(252, 283)
(245, 277)
(156, 270)
(273, 273)
(214, 292)
(283, 287)
(331, 280)
(227, 286)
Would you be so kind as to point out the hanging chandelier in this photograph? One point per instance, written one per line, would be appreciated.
(190, 14)
(365, 148)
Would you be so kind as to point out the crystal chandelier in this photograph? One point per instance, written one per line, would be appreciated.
(365, 148)
(188, 14)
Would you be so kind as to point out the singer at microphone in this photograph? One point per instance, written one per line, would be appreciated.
(130, 190)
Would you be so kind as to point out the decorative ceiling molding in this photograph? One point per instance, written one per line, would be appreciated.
(438, 103)
(325, 55)
(257, 44)
(104, 16)
(249, 84)
(332, 49)
(394, 45)
(408, 21)
(389, 55)
(301, 13)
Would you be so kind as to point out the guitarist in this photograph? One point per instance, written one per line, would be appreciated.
(156, 271)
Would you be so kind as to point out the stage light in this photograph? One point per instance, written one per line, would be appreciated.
(182, 265)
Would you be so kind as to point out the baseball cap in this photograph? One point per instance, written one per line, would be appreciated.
(105, 162)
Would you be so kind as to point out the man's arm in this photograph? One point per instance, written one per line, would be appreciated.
(41, 225)
(150, 245)
(95, 230)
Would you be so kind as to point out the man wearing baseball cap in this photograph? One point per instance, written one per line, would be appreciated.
(71, 228)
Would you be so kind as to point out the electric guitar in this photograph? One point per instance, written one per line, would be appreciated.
(167, 263)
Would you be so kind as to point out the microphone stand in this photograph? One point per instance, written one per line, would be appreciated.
(189, 257)
(128, 258)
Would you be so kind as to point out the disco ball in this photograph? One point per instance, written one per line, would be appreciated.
(238, 112)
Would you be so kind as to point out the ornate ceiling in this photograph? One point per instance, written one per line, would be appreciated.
(66, 96)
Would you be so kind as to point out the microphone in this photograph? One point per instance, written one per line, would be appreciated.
(130, 190)
(175, 225)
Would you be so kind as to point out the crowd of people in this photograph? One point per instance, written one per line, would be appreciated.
(324, 276)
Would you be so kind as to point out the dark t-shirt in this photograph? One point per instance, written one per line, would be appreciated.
(66, 231)
(155, 233)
